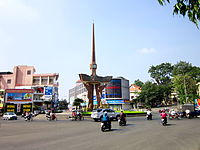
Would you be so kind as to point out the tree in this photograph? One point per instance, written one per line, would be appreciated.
(191, 8)
(185, 79)
(186, 88)
(151, 94)
(77, 102)
(63, 104)
(162, 75)
(182, 68)
(138, 83)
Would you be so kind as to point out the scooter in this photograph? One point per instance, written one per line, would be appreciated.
(51, 117)
(149, 117)
(105, 126)
(122, 122)
(164, 122)
(28, 118)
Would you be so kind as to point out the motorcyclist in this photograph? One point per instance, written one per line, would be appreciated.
(105, 119)
(74, 114)
(149, 114)
(53, 116)
(122, 116)
(174, 114)
(79, 115)
(48, 114)
(187, 113)
(164, 116)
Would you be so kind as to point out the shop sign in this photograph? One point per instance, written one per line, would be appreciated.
(10, 108)
(26, 107)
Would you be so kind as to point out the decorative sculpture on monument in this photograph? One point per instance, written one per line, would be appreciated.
(93, 82)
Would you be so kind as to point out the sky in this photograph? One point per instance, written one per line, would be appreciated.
(55, 36)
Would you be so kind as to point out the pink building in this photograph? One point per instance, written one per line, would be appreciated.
(24, 77)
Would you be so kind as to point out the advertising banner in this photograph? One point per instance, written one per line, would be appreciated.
(11, 108)
(48, 90)
(19, 96)
(197, 104)
(115, 101)
(26, 107)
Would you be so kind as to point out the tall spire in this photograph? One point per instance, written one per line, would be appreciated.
(93, 65)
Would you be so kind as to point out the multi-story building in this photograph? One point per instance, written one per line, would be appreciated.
(116, 94)
(45, 86)
(79, 91)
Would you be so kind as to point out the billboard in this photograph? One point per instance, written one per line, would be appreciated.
(197, 104)
(19, 96)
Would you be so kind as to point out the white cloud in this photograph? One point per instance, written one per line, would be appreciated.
(147, 50)
(16, 9)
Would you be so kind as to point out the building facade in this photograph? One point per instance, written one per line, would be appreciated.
(134, 91)
(116, 94)
(44, 86)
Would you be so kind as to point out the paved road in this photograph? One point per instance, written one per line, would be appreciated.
(139, 134)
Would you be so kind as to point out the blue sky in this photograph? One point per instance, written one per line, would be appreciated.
(55, 37)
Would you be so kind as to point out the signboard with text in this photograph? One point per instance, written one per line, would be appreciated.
(26, 107)
(10, 108)
(19, 96)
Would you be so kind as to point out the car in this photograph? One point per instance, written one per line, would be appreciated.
(97, 114)
(9, 116)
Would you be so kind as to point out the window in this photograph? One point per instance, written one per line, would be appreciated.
(36, 80)
(51, 80)
(9, 81)
(28, 72)
(44, 80)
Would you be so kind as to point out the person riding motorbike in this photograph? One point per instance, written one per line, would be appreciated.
(187, 113)
(122, 118)
(149, 114)
(105, 119)
(28, 116)
(173, 114)
(164, 116)
(53, 116)
(105, 122)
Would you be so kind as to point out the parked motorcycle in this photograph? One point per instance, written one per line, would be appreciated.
(105, 126)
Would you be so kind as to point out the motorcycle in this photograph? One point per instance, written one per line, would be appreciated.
(28, 118)
(51, 117)
(105, 126)
(122, 122)
(149, 117)
(176, 116)
(188, 115)
(164, 122)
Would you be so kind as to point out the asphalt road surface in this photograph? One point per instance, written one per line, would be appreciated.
(64, 134)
